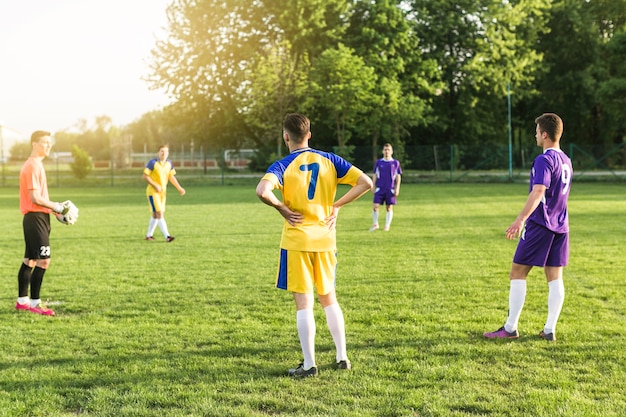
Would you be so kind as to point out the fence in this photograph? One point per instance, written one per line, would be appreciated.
(485, 163)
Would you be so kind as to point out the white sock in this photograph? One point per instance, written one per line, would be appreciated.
(388, 218)
(517, 296)
(163, 227)
(337, 327)
(35, 303)
(305, 322)
(152, 226)
(556, 296)
(23, 300)
(375, 217)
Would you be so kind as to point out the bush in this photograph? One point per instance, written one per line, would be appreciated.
(82, 164)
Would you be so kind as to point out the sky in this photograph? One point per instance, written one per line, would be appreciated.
(66, 60)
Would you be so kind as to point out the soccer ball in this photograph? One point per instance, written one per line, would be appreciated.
(69, 215)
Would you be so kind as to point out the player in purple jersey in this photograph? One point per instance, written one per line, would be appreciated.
(386, 180)
(543, 228)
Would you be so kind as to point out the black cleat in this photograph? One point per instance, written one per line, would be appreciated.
(300, 372)
(550, 337)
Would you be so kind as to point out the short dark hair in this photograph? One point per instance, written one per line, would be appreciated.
(551, 124)
(38, 134)
(297, 126)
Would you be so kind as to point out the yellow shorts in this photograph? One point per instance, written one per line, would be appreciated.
(300, 271)
(157, 202)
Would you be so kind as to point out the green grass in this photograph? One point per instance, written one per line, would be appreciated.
(195, 327)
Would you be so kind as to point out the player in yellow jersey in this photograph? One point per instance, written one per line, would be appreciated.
(157, 173)
(308, 180)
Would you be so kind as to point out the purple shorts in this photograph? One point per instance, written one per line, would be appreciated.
(539, 246)
(386, 197)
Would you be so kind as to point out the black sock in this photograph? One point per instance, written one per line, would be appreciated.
(36, 278)
(23, 280)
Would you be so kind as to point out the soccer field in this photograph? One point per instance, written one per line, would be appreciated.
(196, 328)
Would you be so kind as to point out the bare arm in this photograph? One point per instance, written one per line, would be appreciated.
(363, 185)
(534, 198)
(398, 181)
(264, 190)
(176, 184)
(37, 198)
(373, 188)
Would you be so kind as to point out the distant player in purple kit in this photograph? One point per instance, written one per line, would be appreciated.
(544, 229)
(386, 180)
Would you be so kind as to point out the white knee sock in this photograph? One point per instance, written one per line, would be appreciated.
(163, 227)
(337, 327)
(388, 219)
(305, 321)
(556, 296)
(517, 296)
(152, 226)
(374, 217)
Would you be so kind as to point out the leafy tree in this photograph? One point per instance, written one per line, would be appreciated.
(20, 151)
(612, 91)
(342, 85)
(213, 46)
(572, 52)
(610, 19)
(150, 131)
(276, 83)
(82, 164)
(380, 33)
(481, 46)
(401, 71)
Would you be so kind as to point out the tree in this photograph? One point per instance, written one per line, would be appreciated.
(213, 46)
(612, 91)
(480, 46)
(380, 33)
(276, 83)
(343, 86)
(20, 151)
(568, 83)
(82, 164)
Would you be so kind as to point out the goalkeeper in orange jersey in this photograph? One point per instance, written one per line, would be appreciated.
(36, 206)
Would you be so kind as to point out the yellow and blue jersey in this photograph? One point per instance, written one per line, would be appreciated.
(159, 172)
(308, 180)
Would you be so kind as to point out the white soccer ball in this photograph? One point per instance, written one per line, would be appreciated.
(61, 218)
(69, 215)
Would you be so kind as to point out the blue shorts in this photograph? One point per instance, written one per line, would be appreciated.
(539, 246)
(384, 197)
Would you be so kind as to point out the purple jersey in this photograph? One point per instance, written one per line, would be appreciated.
(554, 170)
(386, 173)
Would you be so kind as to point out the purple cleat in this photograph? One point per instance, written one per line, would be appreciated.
(501, 333)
